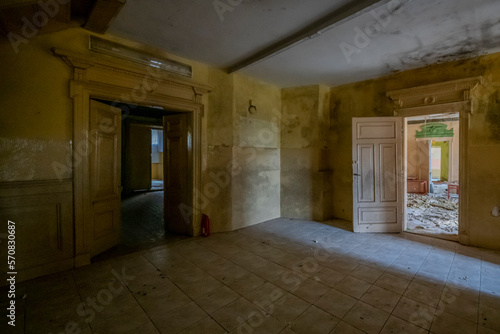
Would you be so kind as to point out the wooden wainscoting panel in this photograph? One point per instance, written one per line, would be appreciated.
(43, 216)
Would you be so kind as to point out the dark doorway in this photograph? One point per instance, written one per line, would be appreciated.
(142, 198)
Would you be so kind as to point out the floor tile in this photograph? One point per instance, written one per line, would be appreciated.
(414, 312)
(349, 286)
(336, 303)
(343, 266)
(265, 294)
(329, 276)
(423, 294)
(430, 280)
(188, 275)
(201, 287)
(314, 320)
(394, 325)
(462, 291)
(490, 285)
(489, 300)
(310, 290)
(216, 299)
(289, 279)
(381, 298)
(119, 317)
(147, 328)
(205, 325)
(345, 328)
(269, 271)
(247, 260)
(365, 317)
(259, 323)
(245, 284)
(463, 308)
(403, 271)
(160, 298)
(489, 317)
(352, 286)
(175, 321)
(393, 283)
(445, 323)
(484, 330)
(367, 274)
(235, 314)
(287, 308)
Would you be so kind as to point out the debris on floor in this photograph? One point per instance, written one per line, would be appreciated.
(433, 213)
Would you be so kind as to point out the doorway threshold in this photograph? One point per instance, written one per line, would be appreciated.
(443, 236)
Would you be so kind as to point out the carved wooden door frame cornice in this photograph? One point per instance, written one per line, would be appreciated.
(442, 98)
(122, 81)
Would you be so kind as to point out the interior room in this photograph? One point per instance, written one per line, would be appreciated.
(433, 158)
(237, 166)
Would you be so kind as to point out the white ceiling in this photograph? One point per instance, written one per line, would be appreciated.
(418, 33)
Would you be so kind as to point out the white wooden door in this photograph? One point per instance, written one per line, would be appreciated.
(177, 168)
(105, 170)
(377, 174)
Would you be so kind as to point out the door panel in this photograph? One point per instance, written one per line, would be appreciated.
(377, 174)
(388, 164)
(105, 189)
(381, 130)
(369, 216)
(367, 180)
(104, 167)
(176, 172)
(138, 158)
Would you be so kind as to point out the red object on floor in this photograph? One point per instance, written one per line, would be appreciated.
(205, 225)
(453, 186)
(416, 186)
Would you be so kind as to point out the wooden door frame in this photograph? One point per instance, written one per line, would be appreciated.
(121, 81)
(446, 97)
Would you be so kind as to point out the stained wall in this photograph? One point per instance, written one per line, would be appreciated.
(368, 99)
(292, 157)
(240, 175)
(256, 152)
(306, 174)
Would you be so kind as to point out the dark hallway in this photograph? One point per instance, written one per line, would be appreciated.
(142, 225)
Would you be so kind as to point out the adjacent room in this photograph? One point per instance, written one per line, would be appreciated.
(433, 157)
(239, 166)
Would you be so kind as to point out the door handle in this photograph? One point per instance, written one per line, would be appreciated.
(356, 174)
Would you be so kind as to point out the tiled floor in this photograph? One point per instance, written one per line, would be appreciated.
(282, 276)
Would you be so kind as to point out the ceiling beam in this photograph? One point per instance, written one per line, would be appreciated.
(103, 12)
(16, 3)
(341, 15)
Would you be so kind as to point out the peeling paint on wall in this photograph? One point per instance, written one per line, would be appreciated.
(256, 132)
(32, 159)
(305, 169)
(367, 99)
(493, 116)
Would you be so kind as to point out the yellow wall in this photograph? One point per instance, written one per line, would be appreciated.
(367, 99)
(36, 127)
(306, 184)
(157, 169)
(36, 114)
